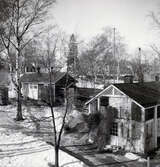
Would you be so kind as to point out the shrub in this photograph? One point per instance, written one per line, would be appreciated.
(94, 120)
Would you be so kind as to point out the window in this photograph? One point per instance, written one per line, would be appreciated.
(35, 87)
(114, 129)
(158, 112)
(104, 101)
(32, 86)
(149, 130)
(135, 112)
(122, 112)
(158, 124)
(115, 112)
(149, 114)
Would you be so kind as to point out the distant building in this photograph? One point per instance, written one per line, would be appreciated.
(137, 117)
(83, 95)
(36, 85)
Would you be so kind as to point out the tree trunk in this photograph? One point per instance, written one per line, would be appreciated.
(56, 156)
(19, 116)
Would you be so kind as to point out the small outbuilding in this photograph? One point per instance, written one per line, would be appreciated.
(136, 125)
(36, 85)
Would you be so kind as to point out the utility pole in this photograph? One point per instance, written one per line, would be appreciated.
(141, 77)
(114, 50)
(118, 67)
(139, 49)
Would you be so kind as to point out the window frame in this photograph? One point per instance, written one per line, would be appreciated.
(149, 114)
(114, 129)
(158, 111)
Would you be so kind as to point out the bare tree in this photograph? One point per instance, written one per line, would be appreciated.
(98, 59)
(55, 44)
(16, 32)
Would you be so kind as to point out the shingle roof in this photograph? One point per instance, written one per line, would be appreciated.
(42, 77)
(146, 94)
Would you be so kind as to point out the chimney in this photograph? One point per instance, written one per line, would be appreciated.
(128, 79)
(140, 70)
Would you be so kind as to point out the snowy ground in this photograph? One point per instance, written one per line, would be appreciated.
(22, 144)
(20, 150)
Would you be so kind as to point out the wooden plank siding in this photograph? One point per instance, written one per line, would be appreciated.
(125, 112)
(3, 95)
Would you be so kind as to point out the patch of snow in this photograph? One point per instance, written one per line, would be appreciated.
(108, 147)
(132, 156)
(142, 160)
(90, 141)
(19, 150)
(39, 159)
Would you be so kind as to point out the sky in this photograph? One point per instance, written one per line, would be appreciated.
(88, 17)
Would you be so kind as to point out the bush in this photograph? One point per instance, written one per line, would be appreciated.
(94, 120)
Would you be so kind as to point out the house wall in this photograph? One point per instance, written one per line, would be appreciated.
(138, 133)
(118, 103)
(30, 90)
(3, 95)
(158, 132)
(125, 127)
(25, 89)
(12, 93)
(93, 107)
(158, 127)
(150, 135)
(152, 128)
(33, 91)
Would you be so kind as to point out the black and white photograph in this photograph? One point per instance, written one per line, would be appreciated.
(79, 83)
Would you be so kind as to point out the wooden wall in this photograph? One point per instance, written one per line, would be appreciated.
(3, 95)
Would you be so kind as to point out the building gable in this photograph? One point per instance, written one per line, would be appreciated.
(109, 91)
(113, 91)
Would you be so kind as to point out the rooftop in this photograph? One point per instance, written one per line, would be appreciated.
(42, 77)
(87, 92)
(146, 94)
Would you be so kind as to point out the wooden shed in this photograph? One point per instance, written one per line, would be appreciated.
(36, 85)
(137, 122)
